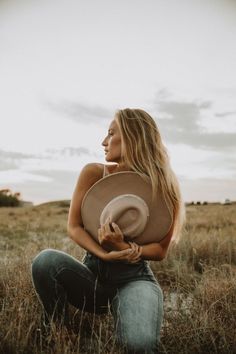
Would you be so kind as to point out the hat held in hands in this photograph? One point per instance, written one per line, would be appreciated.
(126, 198)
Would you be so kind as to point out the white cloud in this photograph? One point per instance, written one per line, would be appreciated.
(18, 176)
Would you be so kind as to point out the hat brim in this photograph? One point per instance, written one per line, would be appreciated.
(104, 190)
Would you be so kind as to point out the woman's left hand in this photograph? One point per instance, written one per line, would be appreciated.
(110, 236)
(129, 255)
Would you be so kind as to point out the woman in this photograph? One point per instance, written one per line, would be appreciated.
(114, 271)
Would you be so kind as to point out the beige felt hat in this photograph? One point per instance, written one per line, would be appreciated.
(126, 198)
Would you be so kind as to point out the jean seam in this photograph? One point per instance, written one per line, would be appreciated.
(159, 308)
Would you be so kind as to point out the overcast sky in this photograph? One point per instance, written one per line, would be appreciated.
(66, 66)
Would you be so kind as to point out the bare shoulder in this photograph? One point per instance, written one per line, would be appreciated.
(93, 169)
(89, 175)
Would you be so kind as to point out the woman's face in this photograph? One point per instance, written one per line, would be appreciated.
(112, 143)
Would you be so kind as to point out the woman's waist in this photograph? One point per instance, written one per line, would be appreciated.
(118, 272)
(91, 258)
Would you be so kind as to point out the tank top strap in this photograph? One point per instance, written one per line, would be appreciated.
(104, 170)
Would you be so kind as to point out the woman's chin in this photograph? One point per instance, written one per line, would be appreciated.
(107, 159)
(111, 159)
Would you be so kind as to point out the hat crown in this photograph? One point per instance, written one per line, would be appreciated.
(129, 212)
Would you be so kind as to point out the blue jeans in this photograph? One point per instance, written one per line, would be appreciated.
(131, 290)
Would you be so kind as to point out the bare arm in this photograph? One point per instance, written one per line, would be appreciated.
(155, 251)
(152, 251)
(88, 176)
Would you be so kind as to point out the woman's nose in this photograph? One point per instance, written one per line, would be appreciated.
(104, 143)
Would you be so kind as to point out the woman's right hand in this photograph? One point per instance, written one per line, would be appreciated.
(130, 255)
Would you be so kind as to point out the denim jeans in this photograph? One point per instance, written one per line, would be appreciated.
(131, 291)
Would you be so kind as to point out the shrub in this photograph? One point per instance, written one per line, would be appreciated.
(8, 198)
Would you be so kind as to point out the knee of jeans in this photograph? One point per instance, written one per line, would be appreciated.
(42, 262)
(140, 344)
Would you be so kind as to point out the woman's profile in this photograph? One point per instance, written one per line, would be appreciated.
(115, 271)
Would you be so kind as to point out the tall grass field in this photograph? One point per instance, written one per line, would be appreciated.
(198, 278)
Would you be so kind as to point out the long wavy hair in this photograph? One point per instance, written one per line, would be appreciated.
(144, 152)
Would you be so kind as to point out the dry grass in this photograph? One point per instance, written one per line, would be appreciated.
(198, 278)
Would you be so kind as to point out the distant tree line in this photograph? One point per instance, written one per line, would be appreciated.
(8, 198)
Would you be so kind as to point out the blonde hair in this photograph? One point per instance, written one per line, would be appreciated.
(144, 152)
